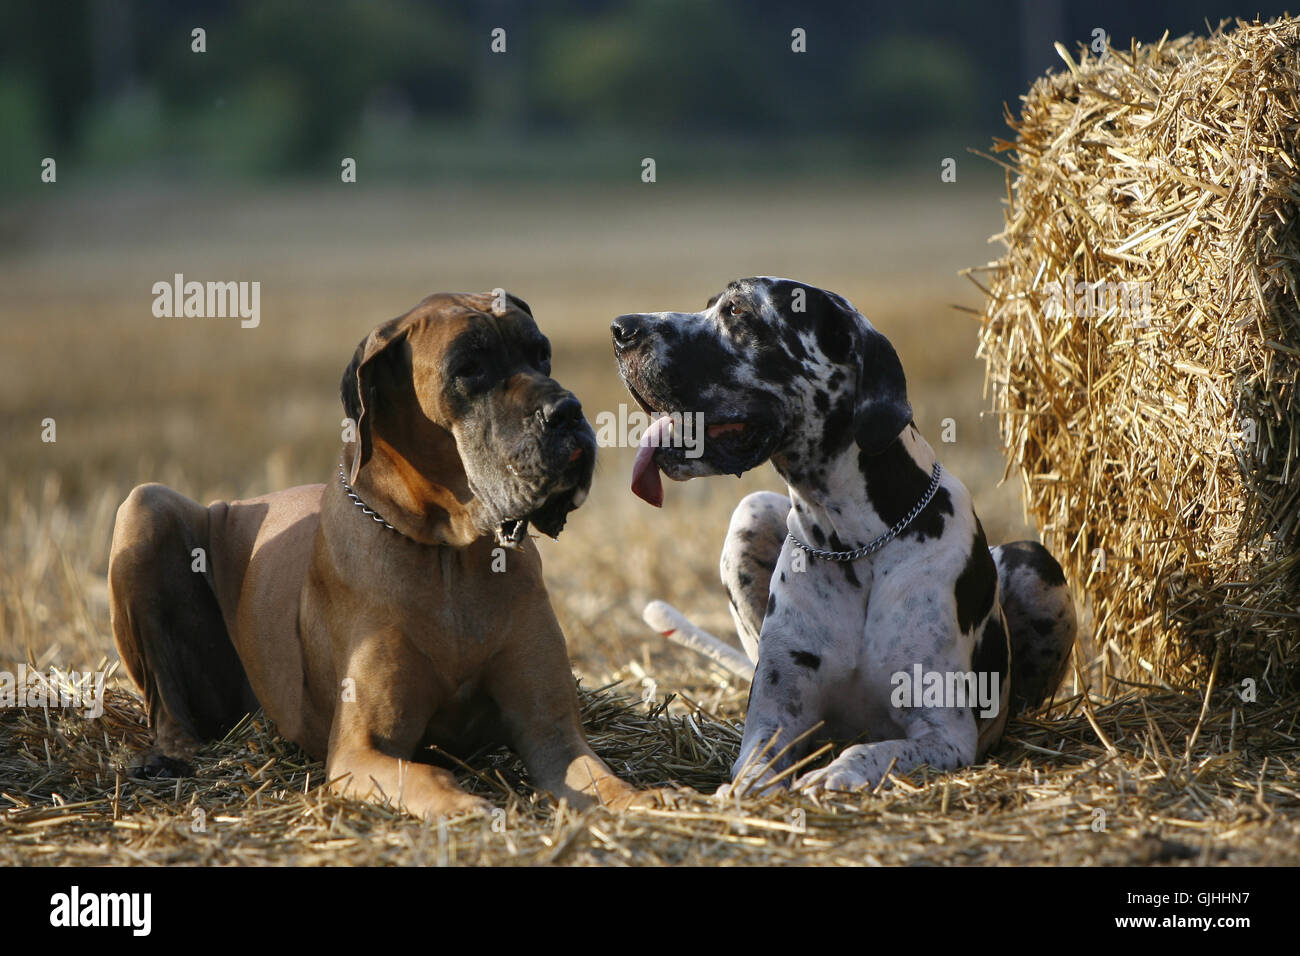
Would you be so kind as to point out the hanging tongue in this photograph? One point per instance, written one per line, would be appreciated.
(646, 482)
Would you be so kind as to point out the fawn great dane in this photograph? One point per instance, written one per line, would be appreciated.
(363, 614)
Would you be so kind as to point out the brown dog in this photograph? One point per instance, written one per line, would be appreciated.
(364, 615)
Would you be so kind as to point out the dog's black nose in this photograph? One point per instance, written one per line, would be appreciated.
(627, 330)
(560, 410)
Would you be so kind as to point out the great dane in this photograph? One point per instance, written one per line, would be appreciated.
(868, 598)
(373, 615)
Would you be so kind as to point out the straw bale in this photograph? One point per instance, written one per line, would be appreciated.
(1142, 338)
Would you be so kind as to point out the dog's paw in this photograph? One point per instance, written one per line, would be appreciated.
(154, 765)
(655, 798)
(841, 778)
(459, 805)
(735, 790)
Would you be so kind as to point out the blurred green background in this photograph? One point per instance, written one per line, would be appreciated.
(711, 89)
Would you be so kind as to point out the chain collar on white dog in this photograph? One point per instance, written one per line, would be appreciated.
(885, 538)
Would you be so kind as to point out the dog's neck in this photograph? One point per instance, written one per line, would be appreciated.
(412, 503)
(859, 497)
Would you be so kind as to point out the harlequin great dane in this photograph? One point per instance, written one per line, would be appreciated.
(868, 598)
(364, 615)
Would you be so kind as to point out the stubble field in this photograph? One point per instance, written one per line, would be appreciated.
(218, 411)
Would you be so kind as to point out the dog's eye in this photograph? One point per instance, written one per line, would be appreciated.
(736, 310)
(542, 358)
(470, 368)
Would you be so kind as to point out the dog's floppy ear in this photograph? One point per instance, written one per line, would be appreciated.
(881, 410)
(358, 386)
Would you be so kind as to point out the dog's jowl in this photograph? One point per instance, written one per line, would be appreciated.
(868, 598)
(363, 614)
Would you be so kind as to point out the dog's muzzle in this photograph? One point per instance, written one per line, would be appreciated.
(551, 471)
(735, 431)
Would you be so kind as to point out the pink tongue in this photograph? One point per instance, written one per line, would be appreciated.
(646, 483)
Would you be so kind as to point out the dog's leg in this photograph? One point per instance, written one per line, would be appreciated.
(754, 540)
(786, 697)
(388, 694)
(532, 684)
(1040, 619)
(776, 736)
(807, 651)
(169, 630)
(912, 626)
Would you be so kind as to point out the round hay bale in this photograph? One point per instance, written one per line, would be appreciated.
(1142, 336)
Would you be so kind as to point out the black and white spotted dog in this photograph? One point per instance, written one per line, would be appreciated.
(874, 573)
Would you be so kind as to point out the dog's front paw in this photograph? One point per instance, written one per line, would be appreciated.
(658, 798)
(155, 765)
(456, 805)
(851, 772)
(832, 780)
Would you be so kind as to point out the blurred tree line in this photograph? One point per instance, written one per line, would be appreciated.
(290, 86)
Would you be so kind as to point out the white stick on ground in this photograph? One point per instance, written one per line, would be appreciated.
(673, 624)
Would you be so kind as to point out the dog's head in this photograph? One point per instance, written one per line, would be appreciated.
(780, 370)
(455, 404)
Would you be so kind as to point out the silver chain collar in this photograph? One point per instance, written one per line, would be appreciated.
(356, 500)
(885, 538)
(505, 541)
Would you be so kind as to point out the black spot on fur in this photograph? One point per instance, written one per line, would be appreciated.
(837, 426)
(771, 603)
(1043, 625)
(804, 659)
(992, 651)
(977, 584)
(773, 676)
(896, 484)
(774, 365)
